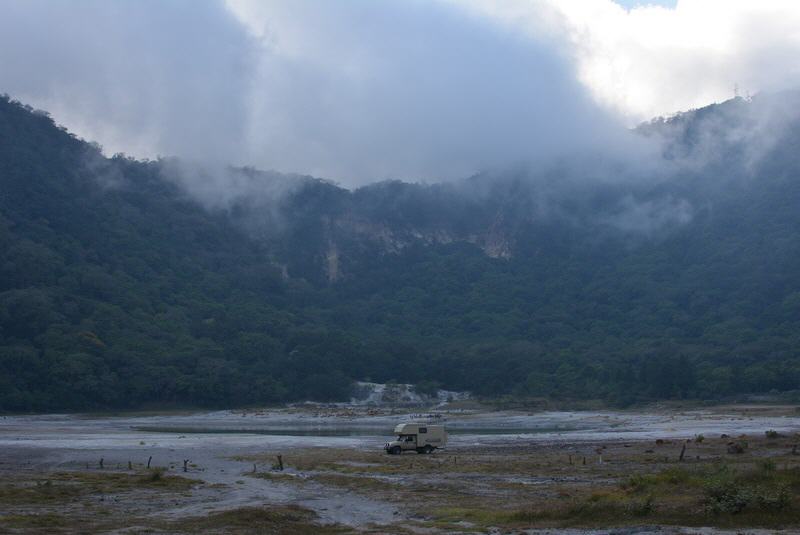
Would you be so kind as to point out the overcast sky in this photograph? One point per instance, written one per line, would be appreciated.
(363, 90)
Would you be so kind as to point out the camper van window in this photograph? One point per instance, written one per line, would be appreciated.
(423, 430)
(409, 438)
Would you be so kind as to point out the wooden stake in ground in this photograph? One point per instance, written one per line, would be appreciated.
(148, 462)
(683, 452)
(280, 463)
(101, 463)
(185, 462)
(130, 466)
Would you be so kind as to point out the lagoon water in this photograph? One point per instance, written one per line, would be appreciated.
(287, 428)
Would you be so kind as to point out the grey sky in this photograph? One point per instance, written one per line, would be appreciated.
(628, 4)
(355, 91)
(360, 90)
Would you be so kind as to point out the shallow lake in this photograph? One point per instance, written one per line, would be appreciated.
(297, 428)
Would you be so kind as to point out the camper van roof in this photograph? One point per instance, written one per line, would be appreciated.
(417, 424)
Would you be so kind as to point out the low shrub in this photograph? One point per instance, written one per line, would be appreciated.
(729, 492)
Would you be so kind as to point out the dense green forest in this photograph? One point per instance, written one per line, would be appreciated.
(120, 289)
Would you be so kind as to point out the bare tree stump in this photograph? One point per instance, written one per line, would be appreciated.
(101, 463)
(185, 463)
(130, 466)
(280, 463)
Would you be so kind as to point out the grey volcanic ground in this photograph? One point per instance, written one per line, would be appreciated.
(212, 442)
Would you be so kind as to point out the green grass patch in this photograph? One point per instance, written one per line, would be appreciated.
(666, 479)
(716, 494)
(288, 520)
(66, 487)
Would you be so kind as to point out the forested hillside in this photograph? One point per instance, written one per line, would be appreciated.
(120, 289)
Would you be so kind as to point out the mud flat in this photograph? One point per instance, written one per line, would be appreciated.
(667, 471)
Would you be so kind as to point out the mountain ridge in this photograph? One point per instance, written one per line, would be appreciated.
(120, 288)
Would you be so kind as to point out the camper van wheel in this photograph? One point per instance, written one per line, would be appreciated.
(427, 449)
(396, 450)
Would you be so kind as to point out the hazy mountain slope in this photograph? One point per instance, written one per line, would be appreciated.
(118, 289)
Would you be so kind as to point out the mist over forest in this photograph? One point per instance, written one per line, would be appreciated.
(667, 270)
(233, 202)
(400, 266)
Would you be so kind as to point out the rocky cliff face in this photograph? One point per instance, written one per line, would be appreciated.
(341, 231)
(381, 238)
(324, 233)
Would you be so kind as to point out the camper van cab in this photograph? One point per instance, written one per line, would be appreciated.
(419, 437)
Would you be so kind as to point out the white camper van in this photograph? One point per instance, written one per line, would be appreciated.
(419, 437)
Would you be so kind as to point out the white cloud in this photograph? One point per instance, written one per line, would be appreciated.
(141, 77)
(653, 60)
(364, 90)
(407, 89)
(354, 91)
